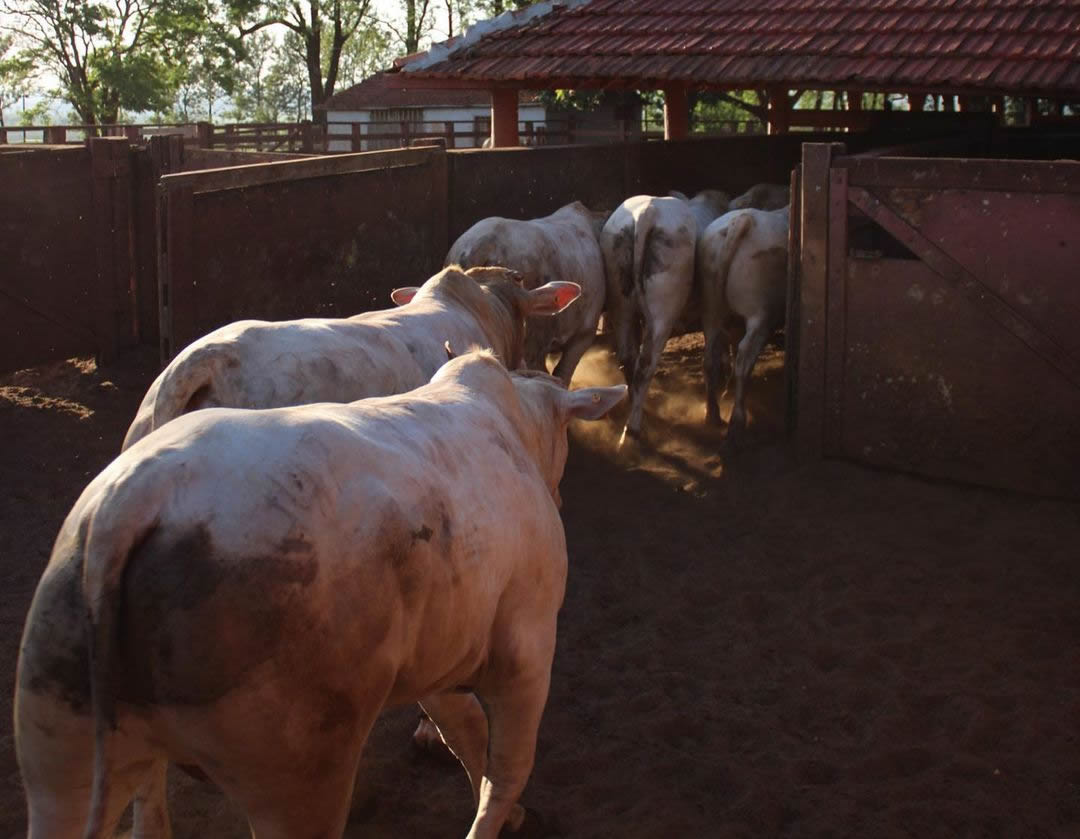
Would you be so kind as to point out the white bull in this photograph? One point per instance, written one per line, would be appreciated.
(762, 197)
(743, 263)
(562, 246)
(261, 364)
(245, 591)
(648, 245)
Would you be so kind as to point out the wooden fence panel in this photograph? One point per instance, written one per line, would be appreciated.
(48, 271)
(325, 237)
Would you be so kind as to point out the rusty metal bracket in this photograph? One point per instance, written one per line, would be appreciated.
(967, 283)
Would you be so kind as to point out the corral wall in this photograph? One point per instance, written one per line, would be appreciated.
(50, 278)
(272, 240)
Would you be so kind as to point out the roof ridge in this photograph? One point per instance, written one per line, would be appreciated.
(508, 19)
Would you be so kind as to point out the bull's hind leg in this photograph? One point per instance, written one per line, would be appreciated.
(717, 363)
(514, 721)
(652, 347)
(56, 755)
(150, 809)
(750, 347)
(463, 725)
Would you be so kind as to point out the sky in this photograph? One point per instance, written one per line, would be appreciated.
(391, 10)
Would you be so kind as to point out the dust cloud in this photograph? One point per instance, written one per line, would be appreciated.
(677, 445)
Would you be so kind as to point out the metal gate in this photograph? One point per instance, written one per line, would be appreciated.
(939, 317)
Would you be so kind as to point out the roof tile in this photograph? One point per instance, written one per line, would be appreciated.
(993, 45)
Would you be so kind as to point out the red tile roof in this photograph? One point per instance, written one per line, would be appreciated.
(386, 90)
(993, 46)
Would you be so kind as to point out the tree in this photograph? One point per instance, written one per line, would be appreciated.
(111, 55)
(16, 69)
(212, 71)
(320, 33)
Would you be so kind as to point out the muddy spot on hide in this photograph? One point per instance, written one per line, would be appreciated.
(195, 622)
(657, 254)
(445, 527)
(299, 545)
(56, 660)
(422, 535)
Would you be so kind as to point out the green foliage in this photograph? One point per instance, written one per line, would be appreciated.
(37, 114)
(115, 55)
(572, 100)
(319, 32)
(736, 112)
(16, 70)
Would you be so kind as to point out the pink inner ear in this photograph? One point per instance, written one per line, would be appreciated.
(401, 296)
(565, 294)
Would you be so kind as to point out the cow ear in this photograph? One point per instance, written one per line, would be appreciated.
(592, 403)
(552, 298)
(401, 296)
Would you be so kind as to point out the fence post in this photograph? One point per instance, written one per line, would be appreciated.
(230, 140)
(55, 135)
(3, 136)
(132, 133)
(205, 132)
(810, 295)
(166, 152)
(440, 207)
(116, 319)
(357, 137)
(448, 132)
(175, 242)
(258, 138)
(404, 135)
(307, 139)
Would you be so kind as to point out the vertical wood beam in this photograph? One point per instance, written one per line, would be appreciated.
(779, 110)
(504, 118)
(812, 294)
(439, 165)
(116, 326)
(676, 113)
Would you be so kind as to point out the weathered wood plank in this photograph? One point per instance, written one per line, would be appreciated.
(256, 174)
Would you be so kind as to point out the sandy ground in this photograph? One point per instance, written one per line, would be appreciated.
(749, 647)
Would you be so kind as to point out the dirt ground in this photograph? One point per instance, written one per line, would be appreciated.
(749, 647)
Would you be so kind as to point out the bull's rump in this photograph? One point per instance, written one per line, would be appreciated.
(342, 558)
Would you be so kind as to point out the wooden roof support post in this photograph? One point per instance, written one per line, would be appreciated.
(779, 110)
(916, 101)
(504, 118)
(676, 113)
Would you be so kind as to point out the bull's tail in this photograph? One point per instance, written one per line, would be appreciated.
(715, 270)
(644, 225)
(188, 384)
(106, 548)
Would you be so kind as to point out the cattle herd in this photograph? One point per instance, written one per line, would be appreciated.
(241, 592)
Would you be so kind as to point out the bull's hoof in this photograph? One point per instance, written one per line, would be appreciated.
(714, 418)
(534, 826)
(733, 440)
(631, 437)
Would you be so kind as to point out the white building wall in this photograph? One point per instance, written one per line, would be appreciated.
(340, 123)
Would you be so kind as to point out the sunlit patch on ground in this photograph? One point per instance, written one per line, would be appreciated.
(53, 387)
(678, 446)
